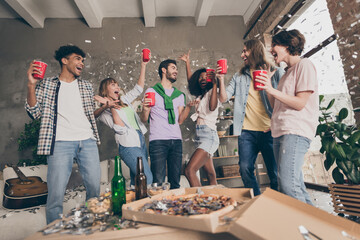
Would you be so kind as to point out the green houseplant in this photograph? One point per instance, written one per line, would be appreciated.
(28, 140)
(340, 143)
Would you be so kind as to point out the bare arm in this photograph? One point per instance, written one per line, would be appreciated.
(222, 90)
(184, 112)
(213, 98)
(296, 102)
(141, 81)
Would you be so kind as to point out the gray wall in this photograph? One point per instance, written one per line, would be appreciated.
(114, 51)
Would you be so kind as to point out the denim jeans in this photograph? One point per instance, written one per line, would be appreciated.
(166, 152)
(289, 152)
(250, 144)
(60, 164)
(130, 154)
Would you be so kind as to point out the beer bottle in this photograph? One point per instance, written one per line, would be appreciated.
(140, 180)
(118, 189)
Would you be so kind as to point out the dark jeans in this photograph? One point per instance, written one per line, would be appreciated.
(162, 153)
(250, 144)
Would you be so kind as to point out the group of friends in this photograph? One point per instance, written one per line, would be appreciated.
(279, 120)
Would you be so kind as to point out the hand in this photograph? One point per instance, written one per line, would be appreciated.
(185, 57)
(218, 73)
(211, 75)
(266, 80)
(146, 104)
(33, 69)
(142, 59)
(107, 102)
(192, 103)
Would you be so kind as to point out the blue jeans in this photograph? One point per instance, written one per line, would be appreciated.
(130, 154)
(289, 152)
(60, 164)
(250, 144)
(166, 152)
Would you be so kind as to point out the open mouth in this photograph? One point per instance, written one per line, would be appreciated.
(79, 68)
(203, 83)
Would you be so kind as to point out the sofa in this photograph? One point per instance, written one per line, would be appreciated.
(19, 224)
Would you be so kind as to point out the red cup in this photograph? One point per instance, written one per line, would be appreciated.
(223, 64)
(151, 95)
(208, 70)
(146, 54)
(256, 83)
(42, 69)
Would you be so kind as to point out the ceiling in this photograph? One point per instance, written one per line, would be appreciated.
(34, 12)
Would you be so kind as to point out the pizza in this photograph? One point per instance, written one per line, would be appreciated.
(191, 204)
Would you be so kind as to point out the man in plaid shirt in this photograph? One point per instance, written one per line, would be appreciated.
(68, 130)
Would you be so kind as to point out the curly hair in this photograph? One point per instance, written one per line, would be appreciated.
(194, 86)
(103, 89)
(293, 40)
(65, 51)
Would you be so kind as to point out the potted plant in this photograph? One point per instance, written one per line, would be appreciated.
(340, 143)
(28, 140)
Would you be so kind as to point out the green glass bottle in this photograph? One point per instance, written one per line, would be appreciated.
(118, 189)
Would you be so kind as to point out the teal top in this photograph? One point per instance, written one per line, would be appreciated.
(130, 114)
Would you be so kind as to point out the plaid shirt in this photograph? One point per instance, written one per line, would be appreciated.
(45, 108)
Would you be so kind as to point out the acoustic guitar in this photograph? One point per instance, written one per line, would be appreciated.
(24, 192)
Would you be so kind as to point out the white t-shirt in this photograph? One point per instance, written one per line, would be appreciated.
(72, 123)
(203, 115)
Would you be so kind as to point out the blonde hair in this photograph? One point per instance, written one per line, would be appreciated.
(103, 90)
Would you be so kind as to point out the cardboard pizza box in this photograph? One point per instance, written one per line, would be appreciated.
(213, 222)
(273, 215)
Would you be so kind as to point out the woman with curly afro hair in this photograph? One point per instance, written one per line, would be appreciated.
(207, 104)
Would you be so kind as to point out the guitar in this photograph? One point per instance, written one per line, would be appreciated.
(24, 192)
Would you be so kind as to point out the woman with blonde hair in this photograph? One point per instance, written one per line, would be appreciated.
(117, 112)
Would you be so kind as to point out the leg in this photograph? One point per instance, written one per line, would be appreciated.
(248, 151)
(58, 174)
(208, 141)
(290, 152)
(210, 170)
(198, 159)
(89, 167)
(266, 149)
(158, 150)
(174, 163)
(129, 155)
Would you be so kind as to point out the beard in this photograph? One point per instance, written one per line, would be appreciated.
(170, 78)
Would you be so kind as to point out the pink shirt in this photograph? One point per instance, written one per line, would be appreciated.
(286, 120)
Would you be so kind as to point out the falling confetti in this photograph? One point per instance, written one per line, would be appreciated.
(88, 41)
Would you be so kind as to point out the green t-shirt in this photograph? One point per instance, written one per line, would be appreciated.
(130, 114)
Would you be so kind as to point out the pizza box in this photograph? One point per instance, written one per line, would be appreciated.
(273, 215)
(213, 222)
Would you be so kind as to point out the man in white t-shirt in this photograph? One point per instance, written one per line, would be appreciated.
(68, 130)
